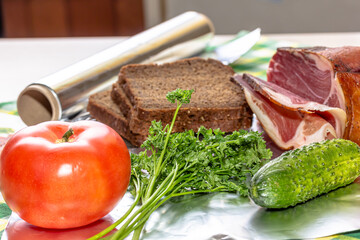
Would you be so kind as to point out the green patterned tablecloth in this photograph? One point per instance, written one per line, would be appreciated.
(254, 62)
(7, 114)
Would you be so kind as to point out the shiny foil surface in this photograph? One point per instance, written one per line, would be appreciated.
(222, 216)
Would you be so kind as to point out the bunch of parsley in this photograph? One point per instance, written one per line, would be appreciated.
(176, 164)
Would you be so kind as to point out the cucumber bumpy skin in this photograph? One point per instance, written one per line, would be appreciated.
(304, 173)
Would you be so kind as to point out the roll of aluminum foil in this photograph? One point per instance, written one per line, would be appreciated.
(64, 93)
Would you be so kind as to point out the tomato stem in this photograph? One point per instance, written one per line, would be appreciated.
(67, 135)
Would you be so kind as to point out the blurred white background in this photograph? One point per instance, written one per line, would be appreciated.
(79, 18)
(273, 16)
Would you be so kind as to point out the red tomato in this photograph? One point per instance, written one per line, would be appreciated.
(54, 184)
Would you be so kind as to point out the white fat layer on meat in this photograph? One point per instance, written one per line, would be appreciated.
(311, 107)
(287, 101)
(340, 120)
(321, 63)
(300, 138)
(266, 123)
(339, 91)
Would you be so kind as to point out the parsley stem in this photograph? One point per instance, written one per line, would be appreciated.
(152, 208)
(218, 189)
(159, 162)
(148, 204)
(171, 196)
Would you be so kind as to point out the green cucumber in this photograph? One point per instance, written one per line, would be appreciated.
(304, 173)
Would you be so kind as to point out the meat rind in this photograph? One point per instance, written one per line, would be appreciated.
(350, 83)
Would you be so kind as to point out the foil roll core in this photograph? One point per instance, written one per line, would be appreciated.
(38, 103)
(59, 95)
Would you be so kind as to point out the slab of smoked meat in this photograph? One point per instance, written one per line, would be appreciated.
(319, 77)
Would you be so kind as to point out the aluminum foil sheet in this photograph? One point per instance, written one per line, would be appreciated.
(228, 216)
(223, 216)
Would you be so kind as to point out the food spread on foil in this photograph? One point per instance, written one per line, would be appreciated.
(186, 185)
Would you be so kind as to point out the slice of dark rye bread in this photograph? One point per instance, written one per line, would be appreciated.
(141, 126)
(215, 96)
(102, 108)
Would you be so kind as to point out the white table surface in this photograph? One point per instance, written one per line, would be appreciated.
(23, 61)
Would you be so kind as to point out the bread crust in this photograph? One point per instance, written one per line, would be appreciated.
(102, 108)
